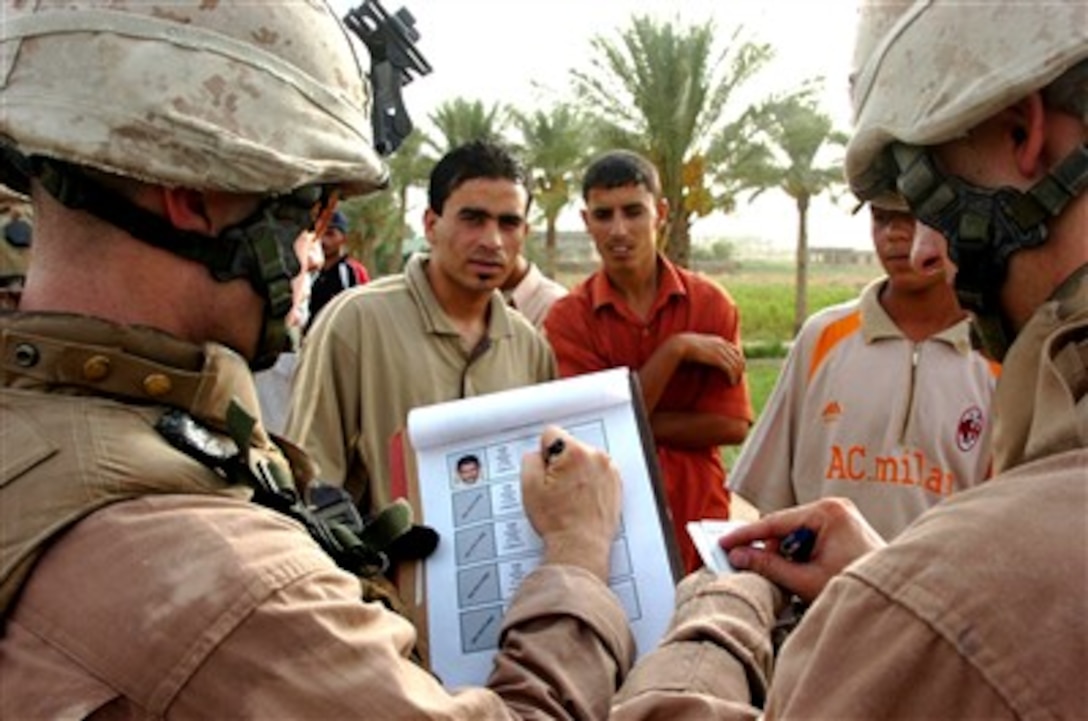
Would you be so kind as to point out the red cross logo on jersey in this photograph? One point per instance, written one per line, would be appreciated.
(969, 429)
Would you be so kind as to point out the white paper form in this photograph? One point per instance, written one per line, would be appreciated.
(487, 544)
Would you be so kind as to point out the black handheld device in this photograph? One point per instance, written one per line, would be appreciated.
(394, 61)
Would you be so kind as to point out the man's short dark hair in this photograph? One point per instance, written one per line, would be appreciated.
(475, 159)
(467, 459)
(620, 168)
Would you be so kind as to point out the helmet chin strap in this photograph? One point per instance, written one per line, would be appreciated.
(268, 258)
(984, 227)
(273, 340)
(260, 248)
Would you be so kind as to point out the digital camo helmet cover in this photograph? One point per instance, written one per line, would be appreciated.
(927, 71)
(207, 94)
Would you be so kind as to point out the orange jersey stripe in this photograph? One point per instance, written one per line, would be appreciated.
(831, 336)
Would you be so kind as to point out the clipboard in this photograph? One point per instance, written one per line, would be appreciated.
(487, 545)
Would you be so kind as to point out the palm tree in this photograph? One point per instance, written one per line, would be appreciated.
(460, 121)
(791, 132)
(554, 146)
(662, 90)
(374, 220)
(409, 167)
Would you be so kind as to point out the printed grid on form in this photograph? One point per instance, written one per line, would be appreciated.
(494, 544)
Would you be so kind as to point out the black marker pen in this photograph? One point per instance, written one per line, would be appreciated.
(798, 544)
(553, 450)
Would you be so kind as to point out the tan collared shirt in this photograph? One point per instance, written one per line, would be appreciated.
(382, 349)
(534, 295)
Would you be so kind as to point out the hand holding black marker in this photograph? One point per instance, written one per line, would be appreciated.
(800, 549)
(554, 450)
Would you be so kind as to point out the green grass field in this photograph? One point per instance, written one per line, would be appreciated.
(765, 296)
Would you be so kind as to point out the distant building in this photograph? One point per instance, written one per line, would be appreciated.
(841, 256)
(577, 254)
(572, 244)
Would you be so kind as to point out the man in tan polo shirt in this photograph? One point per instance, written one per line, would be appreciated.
(439, 331)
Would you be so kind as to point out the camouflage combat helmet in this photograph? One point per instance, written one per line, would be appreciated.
(270, 98)
(236, 96)
(927, 72)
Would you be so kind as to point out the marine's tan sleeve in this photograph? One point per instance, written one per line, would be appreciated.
(315, 651)
(716, 659)
(566, 646)
(858, 655)
(238, 614)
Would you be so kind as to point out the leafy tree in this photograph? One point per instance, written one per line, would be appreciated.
(791, 131)
(554, 147)
(663, 90)
(720, 251)
(460, 121)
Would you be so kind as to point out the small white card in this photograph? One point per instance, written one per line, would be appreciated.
(705, 535)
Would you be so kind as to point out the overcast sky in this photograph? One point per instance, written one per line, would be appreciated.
(521, 51)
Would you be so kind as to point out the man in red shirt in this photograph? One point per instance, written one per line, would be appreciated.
(680, 331)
